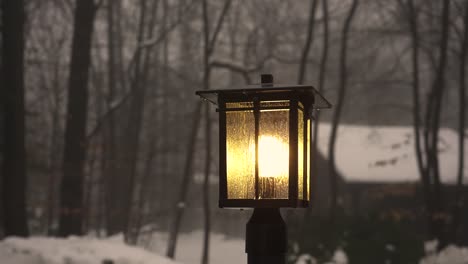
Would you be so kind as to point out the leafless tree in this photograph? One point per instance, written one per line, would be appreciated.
(426, 143)
(459, 202)
(321, 88)
(14, 156)
(343, 82)
(209, 40)
(308, 42)
(71, 207)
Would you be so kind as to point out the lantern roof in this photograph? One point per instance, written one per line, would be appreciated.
(264, 88)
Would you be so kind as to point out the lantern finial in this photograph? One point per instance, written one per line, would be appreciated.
(266, 80)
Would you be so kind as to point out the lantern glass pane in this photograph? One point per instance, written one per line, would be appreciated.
(300, 154)
(239, 105)
(309, 155)
(240, 154)
(273, 152)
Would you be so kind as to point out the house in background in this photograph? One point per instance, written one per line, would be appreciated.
(379, 172)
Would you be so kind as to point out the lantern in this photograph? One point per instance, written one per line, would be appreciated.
(264, 143)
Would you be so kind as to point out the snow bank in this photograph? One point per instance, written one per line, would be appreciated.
(223, 250)
(73, 250)
(450, 255)
(340, 257)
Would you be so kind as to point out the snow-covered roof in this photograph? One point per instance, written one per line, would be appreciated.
(387, 154)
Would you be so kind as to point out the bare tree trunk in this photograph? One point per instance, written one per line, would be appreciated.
(54, 153)
(429, 172)
(314, 135)
(209, 46)
(145, 183)
(89, 185)
(423, 169)
(71, 209)
(165, 135)
(119, 44)
(413, 22)
(181, 200)
(206, 187)
(188, 170)
(109, 138)
(338, 108)
(133, 127)
(459, 202)
(14, 156)
(308, 42)
(139, 83)
(115, 179)
(438, 224)
(209, 43)
(233, 27)
(135, 216)
(206, 180)
(144, 190)
(321, 87)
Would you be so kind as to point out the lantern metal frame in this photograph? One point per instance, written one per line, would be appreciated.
(303, 97)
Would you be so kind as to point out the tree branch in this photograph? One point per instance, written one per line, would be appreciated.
(219, 24)
(103, 119)
(308, 42)
(241, 69)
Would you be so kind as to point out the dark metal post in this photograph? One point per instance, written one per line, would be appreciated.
(266, 241)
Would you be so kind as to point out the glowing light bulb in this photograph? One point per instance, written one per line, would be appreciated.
(273, 157)
(273, 164)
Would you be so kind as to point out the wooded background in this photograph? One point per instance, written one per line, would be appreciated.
(102, 132)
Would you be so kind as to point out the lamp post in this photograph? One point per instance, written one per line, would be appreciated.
(264, 162)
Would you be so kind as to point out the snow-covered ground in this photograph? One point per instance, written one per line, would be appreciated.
(449, 255)
(189, 248)
(386, 154)
(74, 250)
(88, 250)
(222, 249)
(339, 257)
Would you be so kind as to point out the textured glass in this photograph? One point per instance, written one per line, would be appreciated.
(309, 154)
(273, 154)
(239, 105)
(283, 103)
(240, 154)
(300, 154)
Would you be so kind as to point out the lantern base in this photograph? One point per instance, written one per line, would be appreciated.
(266, 241)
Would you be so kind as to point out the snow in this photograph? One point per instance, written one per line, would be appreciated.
(223, 250)
(386, 154)
(189, 248)
(449, 255)
(88, 250)
(390, 247)
(339, 257)
(430, 247)
(306, 259)
(76, 250)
